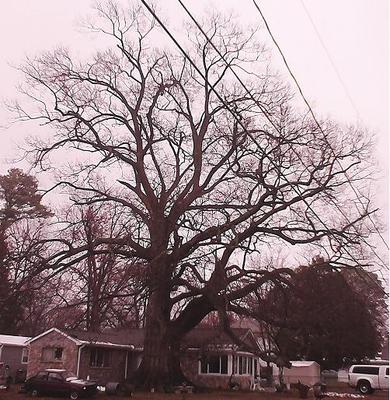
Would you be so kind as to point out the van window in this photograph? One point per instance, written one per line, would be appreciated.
(366, 370)
(387, 371)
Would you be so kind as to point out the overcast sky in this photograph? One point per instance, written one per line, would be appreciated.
(317, 37)
(354, 32)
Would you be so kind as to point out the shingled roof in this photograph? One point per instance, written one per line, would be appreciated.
(197, 338)
(201, 337)
(130, 336)
(12, 340)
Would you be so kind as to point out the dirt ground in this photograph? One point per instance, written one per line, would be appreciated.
(12, 394)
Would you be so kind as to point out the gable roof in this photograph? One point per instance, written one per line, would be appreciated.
(53, 330)
(197, 338)
(131, 337)
(215, 337)
(108, 338)
(11, 340)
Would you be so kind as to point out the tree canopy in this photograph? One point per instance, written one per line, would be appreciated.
(205, 171)
(20, 202)
(326, 317)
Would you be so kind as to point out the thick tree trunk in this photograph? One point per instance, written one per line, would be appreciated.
(160, 366)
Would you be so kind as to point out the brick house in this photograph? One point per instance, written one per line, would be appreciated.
(210, 359)
(104, 357)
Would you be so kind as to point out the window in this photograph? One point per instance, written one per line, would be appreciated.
(99, 357)
(214, 365)
(387, 371)
(25, 355)
(243, 365)
(52, 353)
(366, 370)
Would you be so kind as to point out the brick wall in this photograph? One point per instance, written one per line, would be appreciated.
(52, 339)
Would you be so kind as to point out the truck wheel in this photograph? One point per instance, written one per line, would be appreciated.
(34, 393)
(364, 387)
(74, 395)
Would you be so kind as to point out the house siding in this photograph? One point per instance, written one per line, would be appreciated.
(12, 356)
(52, 339)
(115, 372)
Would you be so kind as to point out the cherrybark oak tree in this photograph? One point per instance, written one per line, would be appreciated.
(201, 181)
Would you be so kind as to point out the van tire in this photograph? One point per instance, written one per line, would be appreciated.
(364, 387)
(34, 393)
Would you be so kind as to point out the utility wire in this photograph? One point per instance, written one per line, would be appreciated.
(238, 121)
(357, 193)
(347, 93)
(269, 119)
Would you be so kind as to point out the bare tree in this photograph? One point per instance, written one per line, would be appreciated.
(111, 290)
(204, 172)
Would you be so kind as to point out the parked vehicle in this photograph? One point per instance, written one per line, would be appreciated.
(367, 378)
(59, 382)
(329, 374)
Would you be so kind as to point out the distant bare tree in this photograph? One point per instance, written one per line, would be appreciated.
(110, 289)
(202, 178)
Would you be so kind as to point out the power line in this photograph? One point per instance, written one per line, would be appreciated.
(238, 121)
(270, 120)
(357, 193)
(312, 112)
(347, 93)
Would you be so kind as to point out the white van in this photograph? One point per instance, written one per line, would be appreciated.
(367, 378)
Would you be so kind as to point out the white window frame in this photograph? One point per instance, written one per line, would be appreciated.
(228, 367)
(249, 360)
(25, 354)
